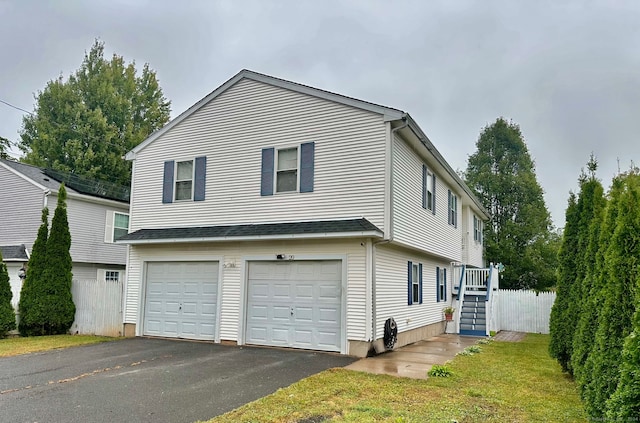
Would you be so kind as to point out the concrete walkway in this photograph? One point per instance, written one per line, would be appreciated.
(415, 360)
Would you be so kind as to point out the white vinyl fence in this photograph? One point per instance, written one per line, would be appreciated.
(525, 311)
(98, 307)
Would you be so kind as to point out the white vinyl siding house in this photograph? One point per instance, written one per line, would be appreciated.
(27, 189)
(305, 211)
(473, 242)
(231, 132)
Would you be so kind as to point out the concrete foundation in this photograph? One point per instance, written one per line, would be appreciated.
(129, 330)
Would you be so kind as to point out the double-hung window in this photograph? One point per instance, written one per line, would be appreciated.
(184, 180)
(116, 226)
(441, 284)
(287, 172)
(477, 229)
(414, 283)
(289, 169)
(428, 189)
(453, 209)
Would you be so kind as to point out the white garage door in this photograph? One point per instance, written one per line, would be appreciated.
(181, 300)
(295, 304)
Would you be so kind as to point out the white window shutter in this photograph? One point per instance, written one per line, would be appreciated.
(108, 227)
(102, 275)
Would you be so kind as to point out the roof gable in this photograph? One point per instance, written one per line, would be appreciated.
(387, 112)
(49, 179)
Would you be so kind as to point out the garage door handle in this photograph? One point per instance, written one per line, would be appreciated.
(292, 311)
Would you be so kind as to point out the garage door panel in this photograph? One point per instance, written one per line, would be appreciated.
(281, 291)
(172, 289)
(279, 336)
(304, 292)
(329, 316)
(280, 313)
(303, 337)
(259, 312)
(303, 315)
(181, 299)
(208, 309)
(295, 304)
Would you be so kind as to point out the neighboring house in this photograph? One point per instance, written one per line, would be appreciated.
(16, 258)
(97, 215)
(274, 213)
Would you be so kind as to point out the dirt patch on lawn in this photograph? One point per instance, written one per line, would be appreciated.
(509, 336)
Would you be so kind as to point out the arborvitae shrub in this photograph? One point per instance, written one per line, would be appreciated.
(31, 305)
(59, 306)
(7, 314)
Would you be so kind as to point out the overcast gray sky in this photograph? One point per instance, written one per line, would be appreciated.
(566, 71)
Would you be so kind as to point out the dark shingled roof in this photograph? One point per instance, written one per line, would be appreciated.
(51, 179)
(254, 230)
(14, 252)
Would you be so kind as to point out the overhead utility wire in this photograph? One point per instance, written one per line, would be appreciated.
(60, 125)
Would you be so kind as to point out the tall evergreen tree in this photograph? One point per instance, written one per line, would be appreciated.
(559, 346)
(85, 124)
(59, 301)
(7, 314)
(590, 203)
(602, 227)
(624, 404)
(32, 314)
(502, 175)
(614, 321)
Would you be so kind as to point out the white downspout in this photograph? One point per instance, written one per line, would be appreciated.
(45, 199)
(370, 290)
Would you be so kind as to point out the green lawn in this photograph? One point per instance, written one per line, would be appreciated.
(16, 346)
(505, 382)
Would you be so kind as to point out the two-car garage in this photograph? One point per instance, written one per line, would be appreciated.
(296, 304)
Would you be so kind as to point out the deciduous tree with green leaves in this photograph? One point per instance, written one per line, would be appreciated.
(31, 306)
(86, 123)
(5, 146)
(7, 314)
(502, 175)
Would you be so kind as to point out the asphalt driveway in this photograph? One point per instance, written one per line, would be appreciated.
(147, 380)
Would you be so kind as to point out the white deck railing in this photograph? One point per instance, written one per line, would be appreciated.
(476, 279)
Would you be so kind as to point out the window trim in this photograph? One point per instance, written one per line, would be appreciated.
(441, 284)
(428, 178)
(276, 170)
(176, 180)
(412, 283)
(477, 229)
(110, 225)
(101, 275)
(453, 209)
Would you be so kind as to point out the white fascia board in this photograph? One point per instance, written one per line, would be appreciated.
(388, 113)
(96, 200)
(31, 181)
(363, 234)
(441, 160)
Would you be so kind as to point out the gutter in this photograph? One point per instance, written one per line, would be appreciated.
(442, 162)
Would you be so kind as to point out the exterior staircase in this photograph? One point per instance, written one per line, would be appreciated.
(475, 298)
(473, 316)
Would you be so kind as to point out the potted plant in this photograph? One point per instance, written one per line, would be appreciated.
(448, 313)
